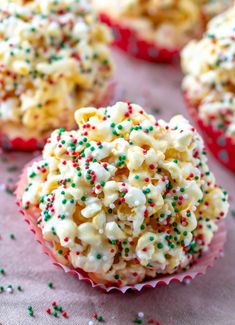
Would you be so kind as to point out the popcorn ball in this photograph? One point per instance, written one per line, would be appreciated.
(209, 83)
(209, 67)
(125, 197)
(54, 59)
(157, 29)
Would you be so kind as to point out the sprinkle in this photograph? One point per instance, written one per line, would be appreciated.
(140, 314)
(64, 314)
(30, 313)
(12, 169)
(50, 285)
(10, 289)
(12, 236)
(100, 318)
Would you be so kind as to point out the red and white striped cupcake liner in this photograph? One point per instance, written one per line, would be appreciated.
(220, 145)
(131, 42)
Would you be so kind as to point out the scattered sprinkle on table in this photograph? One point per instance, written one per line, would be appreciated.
(11, 169)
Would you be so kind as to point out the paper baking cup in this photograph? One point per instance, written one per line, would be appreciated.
(20, 144)
(200, 267)
(129, 41)
(221, 146)
(33, 144)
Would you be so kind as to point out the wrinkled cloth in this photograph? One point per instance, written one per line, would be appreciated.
(207, 300)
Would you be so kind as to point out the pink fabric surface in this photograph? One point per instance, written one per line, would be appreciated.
(207, 300)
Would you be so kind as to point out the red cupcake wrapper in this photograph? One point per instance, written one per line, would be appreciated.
(200, 267)
(129, 41)
(33, 144)
(220, 145)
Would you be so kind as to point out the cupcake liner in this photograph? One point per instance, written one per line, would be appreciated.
(20, 144)
(129, 41)
(220, 145)
(200, 267)
(33, 144)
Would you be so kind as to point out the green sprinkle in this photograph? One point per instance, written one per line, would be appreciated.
(50, 285)
(12, 236)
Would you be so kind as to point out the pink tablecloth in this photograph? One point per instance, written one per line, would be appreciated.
(207, 300)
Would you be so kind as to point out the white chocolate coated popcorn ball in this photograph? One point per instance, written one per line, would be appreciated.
(125, 197)
(54, 59)
(168, 23)
(209, 67)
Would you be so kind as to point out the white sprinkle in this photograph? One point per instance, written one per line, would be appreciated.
(91, 258)
(104, 258)
(221, 254)
(185, 196)
(194, 208)
(101, 231)
(140, 314)
(187, 281)
(90, 322)
(136, 202)
(168, 213)
(112, 206)
(9, 289)
(129, 239)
